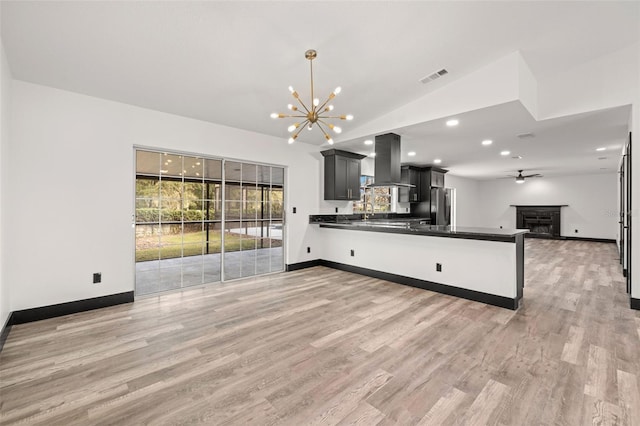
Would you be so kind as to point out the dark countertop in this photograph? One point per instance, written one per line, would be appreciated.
(414, 227)
(339, 217)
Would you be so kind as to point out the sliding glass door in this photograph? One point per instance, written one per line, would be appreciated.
(202, 220)
(253, 219)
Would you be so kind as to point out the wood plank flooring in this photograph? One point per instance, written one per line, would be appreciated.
(327, 347)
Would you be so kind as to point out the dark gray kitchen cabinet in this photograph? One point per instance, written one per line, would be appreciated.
(423, 179)
(437, 179)
(410, 175)
(341, 175)
(433, 177)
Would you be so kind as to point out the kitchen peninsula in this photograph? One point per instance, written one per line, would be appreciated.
(481, 264)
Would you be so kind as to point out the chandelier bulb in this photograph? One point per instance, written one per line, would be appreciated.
(349, 117)
(316, 101)
(292, 139)
(328, 138)
(291, 89)
(292, 127)
(337, 90)
(330, 107)
(337, 129)
(310, 126)
(275, 115)
(291, 107)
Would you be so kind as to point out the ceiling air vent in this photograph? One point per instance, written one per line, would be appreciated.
(525, 135)
(433, 76)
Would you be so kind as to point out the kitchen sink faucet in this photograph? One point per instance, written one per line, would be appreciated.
(371, 201)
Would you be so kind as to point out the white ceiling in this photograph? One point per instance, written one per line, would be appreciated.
(231, 62)
(560, 146)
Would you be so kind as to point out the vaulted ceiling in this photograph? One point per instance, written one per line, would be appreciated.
(231, 62)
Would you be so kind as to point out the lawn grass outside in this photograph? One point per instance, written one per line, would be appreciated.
(193, 244)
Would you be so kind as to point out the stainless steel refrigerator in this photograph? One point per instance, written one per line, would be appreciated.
(440, 206)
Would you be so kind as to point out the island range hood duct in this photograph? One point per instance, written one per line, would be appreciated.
(387, 162)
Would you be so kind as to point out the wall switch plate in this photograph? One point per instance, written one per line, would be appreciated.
(294, 209)
(97, 277)
(336, 210)
(308, 249)
(353, 252)
(438, 267)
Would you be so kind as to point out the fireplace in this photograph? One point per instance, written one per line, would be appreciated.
(541, 221)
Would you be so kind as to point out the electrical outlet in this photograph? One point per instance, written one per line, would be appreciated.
(438, 267)
(576, 231)
(336, 210)
(97, 277)
(294, 210)
(308, 249)
(353, 252)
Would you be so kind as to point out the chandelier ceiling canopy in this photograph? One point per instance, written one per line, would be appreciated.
(316, 114)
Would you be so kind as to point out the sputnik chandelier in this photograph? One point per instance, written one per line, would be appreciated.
(314, 115)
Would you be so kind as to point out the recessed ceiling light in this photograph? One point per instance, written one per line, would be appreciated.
(452, 122)
(368, 142)
(437, 161)
(601, 149)
(373, 154)
(504, 153)
(602, 158)
(411, 153)
(487, 142)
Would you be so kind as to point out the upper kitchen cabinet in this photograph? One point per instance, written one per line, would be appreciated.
(433, 177)
(341, 175)
(423, 179)
(410, 175)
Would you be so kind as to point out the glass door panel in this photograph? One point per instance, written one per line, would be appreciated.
(200, 220)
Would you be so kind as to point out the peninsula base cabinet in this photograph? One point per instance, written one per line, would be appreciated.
(341, 175)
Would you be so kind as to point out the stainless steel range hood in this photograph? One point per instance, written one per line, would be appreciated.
(387, 162)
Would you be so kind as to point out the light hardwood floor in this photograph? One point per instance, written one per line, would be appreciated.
(324, 347)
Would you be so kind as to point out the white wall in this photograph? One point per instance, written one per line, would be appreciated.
(592, 202)
(468, 201)
(608, 81)
(70, 203)
(5, 104)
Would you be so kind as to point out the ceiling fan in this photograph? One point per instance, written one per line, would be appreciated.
(520, 177)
